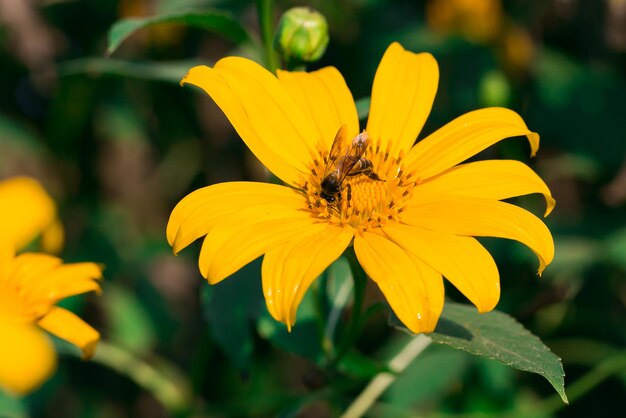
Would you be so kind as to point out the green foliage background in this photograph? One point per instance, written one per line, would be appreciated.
(118, 143)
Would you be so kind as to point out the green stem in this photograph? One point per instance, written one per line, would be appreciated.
(381, 381)
(612, 366)
(356, 319)
(335, 315)
(295, 66)
(264, 10)
(164, 382)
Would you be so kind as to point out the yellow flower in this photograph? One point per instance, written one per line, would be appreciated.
(27, 211)
(477, 20)
(410, 228)
(30, 285)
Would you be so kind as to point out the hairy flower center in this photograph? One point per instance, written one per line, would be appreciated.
(362, 201)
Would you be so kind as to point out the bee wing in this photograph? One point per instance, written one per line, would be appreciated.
(337, 150)
(353, 154)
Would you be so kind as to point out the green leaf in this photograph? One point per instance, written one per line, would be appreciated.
(213, 20)
(360, 366)
(499, 337)
(231, 307)
(304, 336)
(130, 325)
(169, 72)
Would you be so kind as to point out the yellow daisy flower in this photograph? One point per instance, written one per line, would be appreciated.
(27, 211)
(30, 285)
(411, 223)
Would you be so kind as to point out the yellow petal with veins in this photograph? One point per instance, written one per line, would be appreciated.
(200, 211)
(257, 233)
(272, 112)
(285, 161)
(221, 256)
(413, 289)
(465, 137)
(471, 216)
(461, 260)
(289, 270)
(402, 96)
(325, 97)
(491, 179)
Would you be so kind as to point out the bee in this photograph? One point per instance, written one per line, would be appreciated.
(345, 160)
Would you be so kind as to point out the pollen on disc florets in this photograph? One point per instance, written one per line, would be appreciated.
(363, 203)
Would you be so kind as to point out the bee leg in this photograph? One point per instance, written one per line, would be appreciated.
(370, 173)
(349, 193)
(373, 175)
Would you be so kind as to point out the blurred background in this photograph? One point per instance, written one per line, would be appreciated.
(118, 143)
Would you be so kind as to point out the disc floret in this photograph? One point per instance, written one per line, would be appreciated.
(363, 203)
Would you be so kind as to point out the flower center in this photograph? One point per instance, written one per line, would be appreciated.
(14, 305)
(364, 199)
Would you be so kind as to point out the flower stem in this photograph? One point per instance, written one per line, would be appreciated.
(164, 382)
(335, 315)
(381, 381)
(265, 9)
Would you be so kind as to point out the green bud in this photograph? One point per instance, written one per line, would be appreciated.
(302, 35)
(494, 89)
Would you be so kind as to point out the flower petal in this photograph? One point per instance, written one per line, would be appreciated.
(7, 254)
(27, 357)
(66, 280)
(461, 260)
(26, 210)
(324, 95)
(289, 270)
(413, 289)
(464, 137)
(198, 212)
(240, 239)
(271, 110)
(27, 269)
(471, 216)
(402, 96)
(491, 179)
(52, 238)
(262, 111)
(66, 325)
(278, 160)
(21, 275)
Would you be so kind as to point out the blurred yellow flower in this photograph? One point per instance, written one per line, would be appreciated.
(30, 285)
(477, 20)
(27, 211)
(516, 49)
(410, 227)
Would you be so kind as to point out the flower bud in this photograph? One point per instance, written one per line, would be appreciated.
(302, 35)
